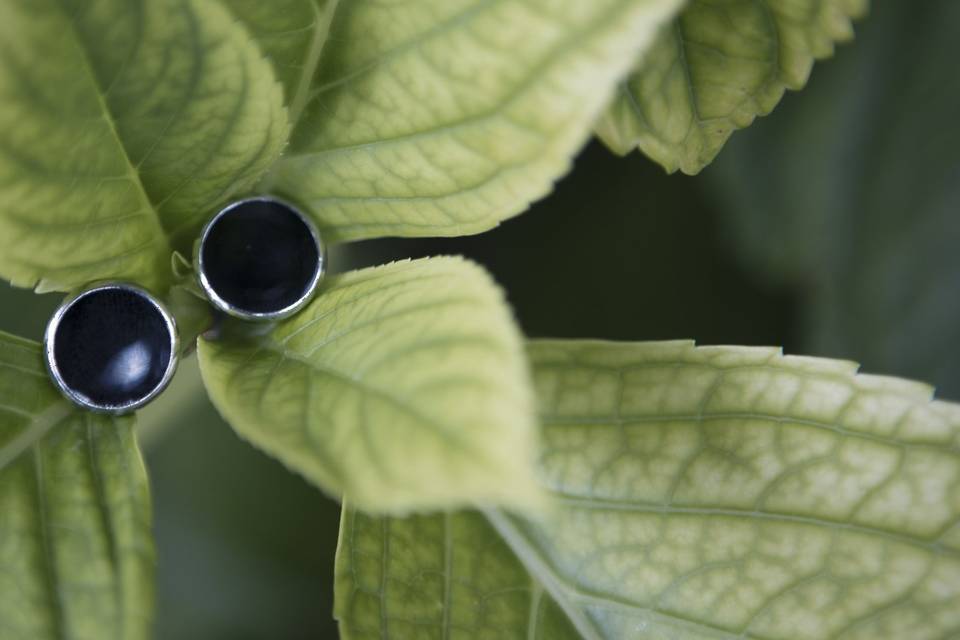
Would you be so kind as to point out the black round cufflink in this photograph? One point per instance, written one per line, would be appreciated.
(111, 348)
(260, 259)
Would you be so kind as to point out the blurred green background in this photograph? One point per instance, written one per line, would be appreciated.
(831, 227)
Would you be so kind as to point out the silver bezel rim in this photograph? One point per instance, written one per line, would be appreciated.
(49, 343)
(233, 310)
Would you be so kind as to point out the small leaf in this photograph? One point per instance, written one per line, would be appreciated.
(859, 214)
(444, 117)
(122, 125)
(720, 64)
(403, 387)
(75, 540)
(291, 33)
(713, 492)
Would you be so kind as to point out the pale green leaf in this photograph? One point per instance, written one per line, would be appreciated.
(444, 117)
(719, 65)
(122, 125)
(712, 492)
(76, 549)
(438, 576)
(403, 387)
(291, 33)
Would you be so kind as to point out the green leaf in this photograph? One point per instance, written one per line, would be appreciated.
(860, 216)
(75, 540)
(122, 125)
(721, 64)
(712, 492)
(437, 576)
(403, 387)
(291, 33)
(444, 117)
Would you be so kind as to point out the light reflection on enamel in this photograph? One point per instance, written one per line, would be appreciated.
(130, 367)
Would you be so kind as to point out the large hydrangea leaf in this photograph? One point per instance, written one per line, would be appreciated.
(444, 117)
(122, 125)
(713, 492)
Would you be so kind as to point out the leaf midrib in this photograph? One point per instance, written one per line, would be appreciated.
(49, 563)
(765, 416)
(133, 173)
(103, 511)
(301, 94)
(565, 594)
(776, 365)
(521, 88)
(381, 58)
(420, 418)
(589, 503)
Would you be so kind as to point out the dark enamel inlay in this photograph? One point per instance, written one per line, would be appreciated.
(260, 257)
(112, 347)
